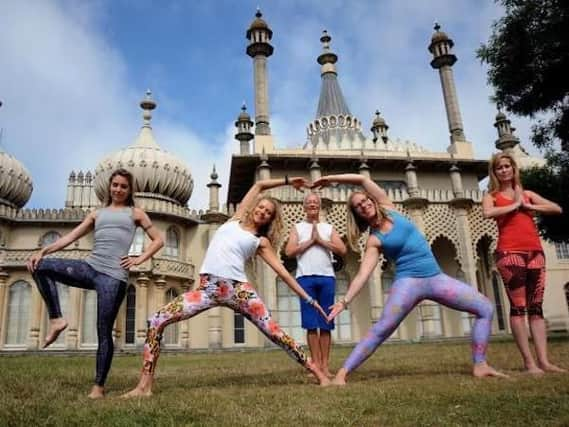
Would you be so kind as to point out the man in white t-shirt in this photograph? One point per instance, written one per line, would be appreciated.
(312, 243)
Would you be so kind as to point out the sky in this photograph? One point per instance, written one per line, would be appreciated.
(72, 73)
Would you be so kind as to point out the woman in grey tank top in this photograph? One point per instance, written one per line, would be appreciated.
(105, 270)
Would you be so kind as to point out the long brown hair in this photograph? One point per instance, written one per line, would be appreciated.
(273, 230)
(494, 182)
(128, 176)
(355, 224)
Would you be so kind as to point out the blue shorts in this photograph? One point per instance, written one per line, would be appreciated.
(323, 290)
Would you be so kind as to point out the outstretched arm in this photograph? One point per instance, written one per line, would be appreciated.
(157, 241)
(369, 261)
(368, 185)
(266, 252)
(266, 184)
(64, 241)
(541, 204)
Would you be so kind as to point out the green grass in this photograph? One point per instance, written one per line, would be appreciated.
(411, 384)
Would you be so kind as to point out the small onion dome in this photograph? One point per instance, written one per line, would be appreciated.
(17, 186)
(378, 121)
(244, 115)
(439, 36)
(500, 116)
(156, 172)
(258, 24)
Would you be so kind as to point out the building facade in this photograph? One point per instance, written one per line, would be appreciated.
(439, 191)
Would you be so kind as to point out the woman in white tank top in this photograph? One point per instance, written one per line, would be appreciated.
(255, 229)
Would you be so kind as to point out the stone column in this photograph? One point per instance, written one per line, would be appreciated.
(35, 319)
(3, 303)
(72, 335)
(466, 256)
(142, 282)
(185, 326)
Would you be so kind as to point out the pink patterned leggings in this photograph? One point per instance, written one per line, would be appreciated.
(213, 292)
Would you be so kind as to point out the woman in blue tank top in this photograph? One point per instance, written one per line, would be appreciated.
(418, 275)
(105, 270)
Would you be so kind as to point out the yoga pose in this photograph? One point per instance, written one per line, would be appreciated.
(312, 243)
(105, 270)
(418, 276)
(519, 256)
(255, 229)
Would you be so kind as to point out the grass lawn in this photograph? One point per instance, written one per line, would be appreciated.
(408, 384)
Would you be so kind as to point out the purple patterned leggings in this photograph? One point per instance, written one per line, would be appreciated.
(406, 293)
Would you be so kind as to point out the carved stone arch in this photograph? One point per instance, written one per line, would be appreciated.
(453, 244)
(489, 242)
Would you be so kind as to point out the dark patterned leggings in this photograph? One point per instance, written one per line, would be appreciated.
(523, 274)
(79, 274)
(213, 292)
(406, 293)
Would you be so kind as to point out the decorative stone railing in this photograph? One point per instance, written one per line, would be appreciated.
(173, 268)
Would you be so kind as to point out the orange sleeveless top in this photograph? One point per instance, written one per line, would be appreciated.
(517, 229)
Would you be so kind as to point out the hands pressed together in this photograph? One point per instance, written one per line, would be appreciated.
(520, 200)
(299, 183)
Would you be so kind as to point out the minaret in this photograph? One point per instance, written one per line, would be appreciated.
(259, 35)
(443, 60)
(379, 128)
(244, 134)
(214, 187)
(506, 139)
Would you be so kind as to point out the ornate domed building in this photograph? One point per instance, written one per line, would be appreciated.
(439, 191)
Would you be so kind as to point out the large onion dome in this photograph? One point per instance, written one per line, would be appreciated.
(15, 182)
(157, 173)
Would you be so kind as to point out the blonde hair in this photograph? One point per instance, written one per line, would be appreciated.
(356, 225)
(494, 183)
(273, 230)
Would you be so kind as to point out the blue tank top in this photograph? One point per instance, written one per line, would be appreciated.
(407, 247)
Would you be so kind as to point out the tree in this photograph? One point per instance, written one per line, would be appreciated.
(552, 185)
(528, 58)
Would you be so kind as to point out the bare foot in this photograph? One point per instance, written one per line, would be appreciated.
(56, 326)
(340, 378)
(97, 392)
(482, 369)
(315, 370)
(550, 367)
(534, 370)
(137, 392)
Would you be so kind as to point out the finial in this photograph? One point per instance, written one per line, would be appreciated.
(258, 14)
(437, 27)
(214, 175)
(147, 105)
(243, 107)
(325, 39)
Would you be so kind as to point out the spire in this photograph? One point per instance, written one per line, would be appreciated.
(146, 137)
(213, 191)
(331, 100)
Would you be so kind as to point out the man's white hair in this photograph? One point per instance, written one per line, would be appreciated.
(311, 193)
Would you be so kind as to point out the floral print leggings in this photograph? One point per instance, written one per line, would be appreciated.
(406, 293)
(212, 292)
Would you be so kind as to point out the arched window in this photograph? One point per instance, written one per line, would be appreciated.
(48, 238)
(171, 332)
(137, 246)
(172, 243)
(386, 282)
(288, 311)
(89, 319)
(17, 325)
(342, 332)
(130, 327)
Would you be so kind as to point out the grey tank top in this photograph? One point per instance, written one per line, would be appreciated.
(114, 232)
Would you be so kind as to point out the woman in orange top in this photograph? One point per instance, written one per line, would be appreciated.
(519, 255)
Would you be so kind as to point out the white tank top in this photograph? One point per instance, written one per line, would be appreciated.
(230, 247)
(316, 260)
